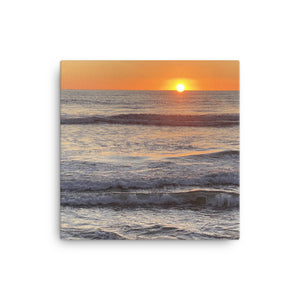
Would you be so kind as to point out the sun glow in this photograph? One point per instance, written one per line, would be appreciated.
(180, 87)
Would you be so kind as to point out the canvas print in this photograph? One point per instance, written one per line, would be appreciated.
(149, 150)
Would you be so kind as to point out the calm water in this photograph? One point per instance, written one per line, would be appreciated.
(149, 164)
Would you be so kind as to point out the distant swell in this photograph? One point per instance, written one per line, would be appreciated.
(219, 120)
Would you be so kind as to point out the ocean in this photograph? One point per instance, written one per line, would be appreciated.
(149, 165)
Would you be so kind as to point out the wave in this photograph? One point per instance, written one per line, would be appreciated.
(213, 179)
(73, 234)
(188, 199)
(222, 153)
(219, 154)
(209, 120)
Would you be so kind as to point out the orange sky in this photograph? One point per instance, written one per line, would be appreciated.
(150, 75)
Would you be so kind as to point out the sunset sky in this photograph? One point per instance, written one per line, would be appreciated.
(150, 75)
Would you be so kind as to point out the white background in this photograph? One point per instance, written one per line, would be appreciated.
(35, 36)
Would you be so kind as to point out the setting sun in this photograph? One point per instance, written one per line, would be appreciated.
(180, 87)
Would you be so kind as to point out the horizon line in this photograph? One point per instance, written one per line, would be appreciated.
(149, 90)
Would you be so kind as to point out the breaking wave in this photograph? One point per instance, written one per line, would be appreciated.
(188, 199)
(213, 179)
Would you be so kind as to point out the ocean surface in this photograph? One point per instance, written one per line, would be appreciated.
(149, 164)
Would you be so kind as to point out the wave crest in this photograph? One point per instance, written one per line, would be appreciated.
(209, 120)
(213, 179)
(189, 199)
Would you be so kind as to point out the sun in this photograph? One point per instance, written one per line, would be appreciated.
(180, 87)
